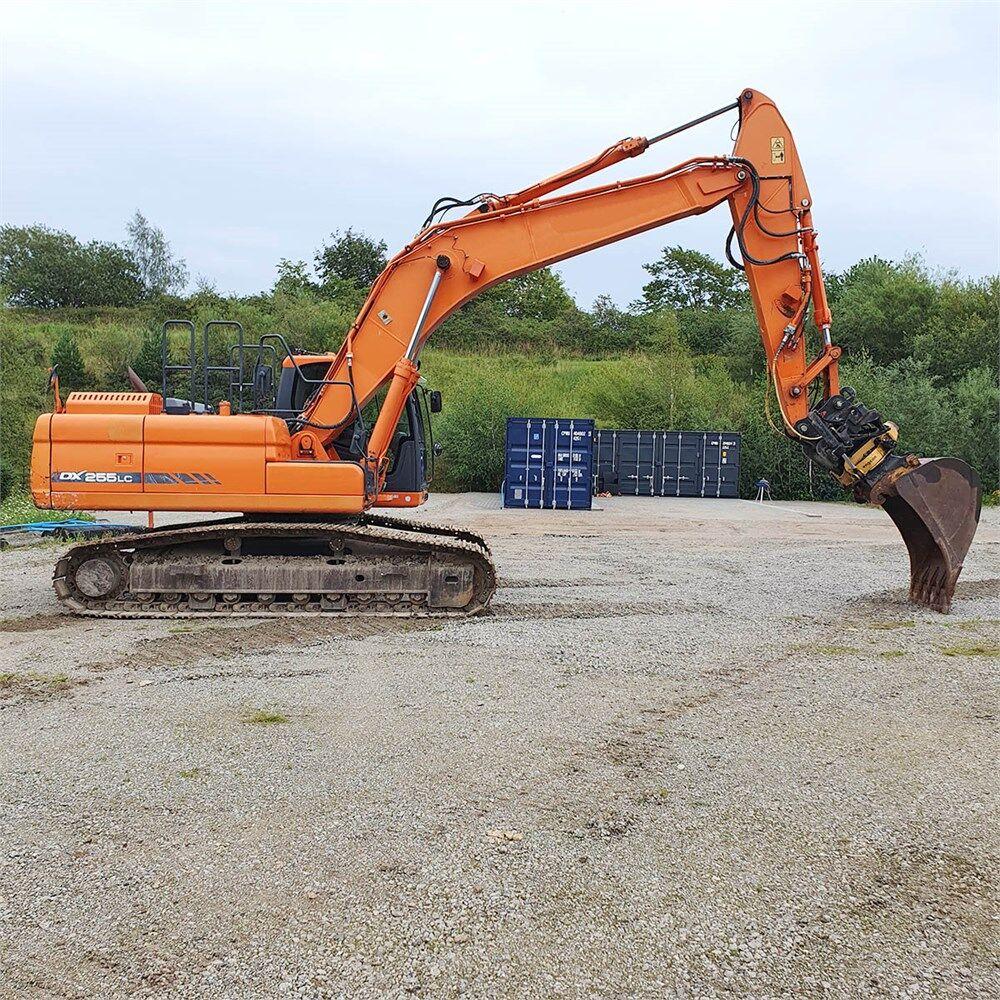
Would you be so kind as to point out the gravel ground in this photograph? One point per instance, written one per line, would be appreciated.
(698, 749)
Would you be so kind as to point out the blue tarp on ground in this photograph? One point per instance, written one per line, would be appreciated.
(71, 526)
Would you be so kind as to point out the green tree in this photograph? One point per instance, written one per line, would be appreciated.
(909, 395)
(158, 271)
(705, 331)
(973, 432)
(609, 319)
(66, 357)
(687, 279)
(539, 295)
(293, 278)
(882, 308)
(109, 277)
(38, 266)
(743, 348)
(148, 363)
(963, 333)
(351, 256)
(44, 268)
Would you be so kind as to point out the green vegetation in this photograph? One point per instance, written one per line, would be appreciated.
(159, 273)
(18, 509)
(975, 624)
(43, 268)
(921, 347)
(265, 717)
(973, 649)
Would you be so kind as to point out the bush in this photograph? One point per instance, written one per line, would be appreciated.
(474, 432)
(672, 390)
(68, 362)
(11, 479)
(23, 383)
(974, 428)
(881, 308)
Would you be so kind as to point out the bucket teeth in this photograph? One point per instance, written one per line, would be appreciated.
(936, 508)
(933, 587)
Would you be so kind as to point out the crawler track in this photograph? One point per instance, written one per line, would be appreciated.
(371, 565)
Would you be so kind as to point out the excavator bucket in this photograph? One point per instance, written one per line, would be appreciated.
(936, 507)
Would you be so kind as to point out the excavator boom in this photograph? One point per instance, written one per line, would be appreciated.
(124, 452)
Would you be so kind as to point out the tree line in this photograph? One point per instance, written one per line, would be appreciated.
(686, 354)
(43, 268)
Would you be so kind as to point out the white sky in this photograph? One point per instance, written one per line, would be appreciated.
(250, 131)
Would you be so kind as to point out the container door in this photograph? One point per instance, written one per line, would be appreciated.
(628, 462)
(570, 462)
(525, 464)
(636, 462)
(660, 464)
(722, 465)
(648, 453)
(682, 464)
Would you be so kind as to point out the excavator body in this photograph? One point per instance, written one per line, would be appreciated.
(323, 439)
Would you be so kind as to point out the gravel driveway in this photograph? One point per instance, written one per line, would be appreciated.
(698, 749)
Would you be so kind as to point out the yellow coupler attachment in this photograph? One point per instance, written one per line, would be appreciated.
(935, 503)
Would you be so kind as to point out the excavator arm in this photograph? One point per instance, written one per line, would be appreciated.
(449, 263)
(934, 503)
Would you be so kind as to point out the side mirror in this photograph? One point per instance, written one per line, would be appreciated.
(438, 449)
(436, 401)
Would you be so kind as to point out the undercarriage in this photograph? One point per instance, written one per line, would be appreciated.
(368, 565)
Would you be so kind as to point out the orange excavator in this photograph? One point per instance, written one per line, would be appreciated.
(347, 431)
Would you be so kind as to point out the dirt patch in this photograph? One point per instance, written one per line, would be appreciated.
(610, 823)
(36, 686)
(915, 877)
(35, 623)
(187, 643)
(897, 599)
(973, 589)
(575, 610)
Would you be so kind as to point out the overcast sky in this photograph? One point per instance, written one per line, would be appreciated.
(249, 131)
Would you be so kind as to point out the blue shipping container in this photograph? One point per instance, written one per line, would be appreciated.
(549, 463)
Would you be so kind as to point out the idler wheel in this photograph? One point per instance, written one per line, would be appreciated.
(99, 576)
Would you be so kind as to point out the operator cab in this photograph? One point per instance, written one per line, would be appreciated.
(268, 377)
